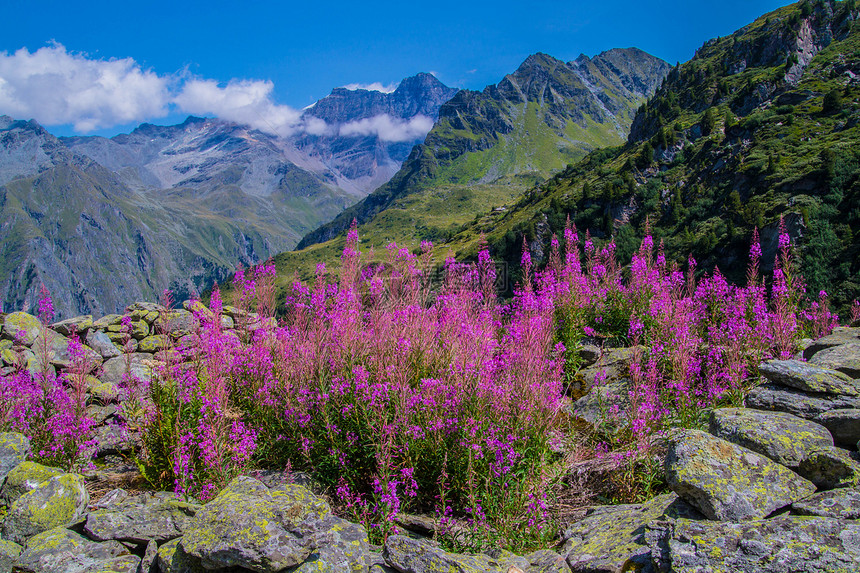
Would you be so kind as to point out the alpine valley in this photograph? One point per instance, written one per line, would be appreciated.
(100, 221)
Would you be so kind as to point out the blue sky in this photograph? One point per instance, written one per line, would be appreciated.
(281, 56)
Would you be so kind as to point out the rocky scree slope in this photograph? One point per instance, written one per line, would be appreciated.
(178, 207)
(771, 487)
(491, 145)
(759, 125)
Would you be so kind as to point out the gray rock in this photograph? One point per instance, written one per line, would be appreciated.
(62, 551)
(809, 377)
(77, 325)
(784, 438)
(612, 535)
(841, 503)
(107, 321)
(59, 351)
(785, 543)
(111, 498)
(145, 307)
(177, 323)
(136, 364)
(830, 468)
(148, 563)
(248, 525)
(421, 556)
(14, 449)
(154, 343)
(341, 547)
(113, 439)
(728, 482)
(845, 358)
(778, 398)
(606, 404)
(9, 553)
(546, 561)
(840, 336)
(589, 354)
(25, 477)
(99, 414)
(101, 343)
(141, 519)
(844, 424)
(57, 502)
(22, 327)
(172, 558)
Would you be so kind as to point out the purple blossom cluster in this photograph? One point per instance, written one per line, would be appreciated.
(405, 395)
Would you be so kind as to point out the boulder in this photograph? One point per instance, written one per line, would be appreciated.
(107, 321)
(844, 424)
(786, 543)
(830, 468)
(114, 439)
(122, 341)
(248, 525)
(838, 337)
(845, 358)
(778, 398)
(25, 477)
(809, 377)
(843, 503)
(177, 323)
(154, 343)
(57, 502)
(728, 482)
(60, 354)
(22, 327)
(605, 404)
(145, 307)
(148, 562)
(114, 369)
(102, 344)
(784, 438)
(14, 449)
(77, 325)
(104, 392)
(422, 556)
(341, 546)
(141, 519)
(610, 537)
(9, 553)
(100, 413)
(62, 551)
(172, 558)
(546, 561)
(111, 498)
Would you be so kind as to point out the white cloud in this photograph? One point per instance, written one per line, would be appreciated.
(248, 102)
(388, 128)
(374, 87)
(56, 87)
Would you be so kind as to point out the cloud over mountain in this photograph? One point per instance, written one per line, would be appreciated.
(373, 87)
(248, 102)
(57, 87)
(389, 128)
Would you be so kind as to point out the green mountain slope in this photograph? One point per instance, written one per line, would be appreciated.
(759, 125)
(488, 147)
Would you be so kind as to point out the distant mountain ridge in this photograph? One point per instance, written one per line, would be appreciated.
(535, 121)
(101, 221)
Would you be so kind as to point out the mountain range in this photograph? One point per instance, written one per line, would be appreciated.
(102, 221)
(759, 126)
